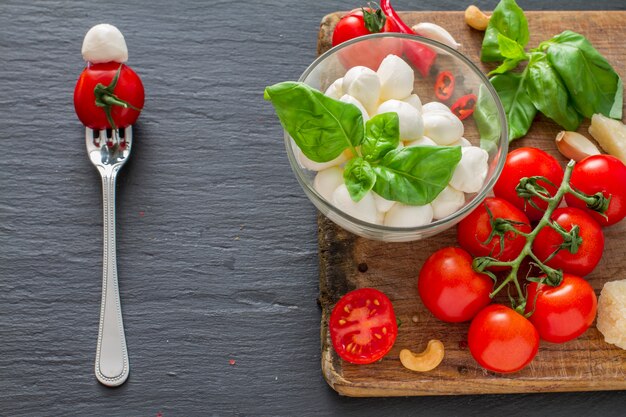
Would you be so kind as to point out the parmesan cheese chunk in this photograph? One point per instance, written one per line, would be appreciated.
(612, 313)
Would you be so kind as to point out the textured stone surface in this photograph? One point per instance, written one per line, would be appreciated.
(217, 245)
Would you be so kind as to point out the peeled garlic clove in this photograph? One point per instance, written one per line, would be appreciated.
(319, 166)
(104, 43)
(365, 209)
(435, 32)
(447, 202)
(573, 145)
(469, 175)
(327, 181)
(610, 134)
(335, 90)
(443, 127)
(363, 84)
(382, 204)
(435, 106)
(402, 215)
(423, 141)
(411, 124)
(414, 101)
(396, 78)
(346, 98)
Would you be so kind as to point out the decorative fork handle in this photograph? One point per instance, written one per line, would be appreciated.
(112, 365)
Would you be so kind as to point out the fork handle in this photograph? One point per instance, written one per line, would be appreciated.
(112, 365)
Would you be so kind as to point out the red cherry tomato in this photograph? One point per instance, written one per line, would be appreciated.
(589, 252)
(450, 288)
(444, 85)
(363, 326)
(369, 54)
(502, 340)
(464, 106)
(475, 229)
(129, 89)
(528, 162)
(562, 313)
(601, 173)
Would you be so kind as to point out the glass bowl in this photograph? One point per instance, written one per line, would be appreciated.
(469, 80)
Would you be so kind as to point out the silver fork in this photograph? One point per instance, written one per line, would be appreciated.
(108, 150)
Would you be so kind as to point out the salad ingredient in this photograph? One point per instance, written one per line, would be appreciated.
(104, 43)
(442, 127)
(423, 141)
(364, 209)
(612, 313)
(464, 106)
(447, 202)
(382, 135)
(359, 178)
(573, 145)
(610, 134)
(383, 205)
(335, 90)
(508, 20)
(501, 339)
(396, 78)
(605, 175)
(518, 106)
(564, 312)
(528, 162)
(363, 84)
(450, 288)
(363, 326)
(414, 101)
(436, 32)
(327, 181)
(402, 215)
(469, 175)
(475, 18)
(108, 95)
(434, 106)
(462, 142)
(411, 123)
(580, 252)
(444, 85)
(346, 98)
(425, 361)
(482, 233)
(305, 162)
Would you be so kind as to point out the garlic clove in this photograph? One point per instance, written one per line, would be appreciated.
(435, 106)
(364, 85)
(396, 78)
(327, 181)
(411, 123)
(573, 145)
(104, 43)
(443, 127)
(610, 134)
(335, 90)
(435, 32)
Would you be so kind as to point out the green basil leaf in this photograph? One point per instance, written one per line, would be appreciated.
(510, 49)
(507, 19)
(519, 108)
(487, 120)
(416, 175)
(322, 127)
(593, 84)
(359, 177)
(549, 94)
(506, 66)
(382, 134)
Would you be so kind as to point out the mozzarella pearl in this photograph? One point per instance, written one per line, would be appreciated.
(447, 202)
(382, 204)
(471, 171)
(396, 78)
(434, 106)
(327, 181)
(461, 142)
(346, 98)
(423, 141)
(443, 127)
(364, 210)
(335, 90)
(411, 124)
(104, 43)
(402, 215)
(414, 101)
(319, 166)
(363, 84)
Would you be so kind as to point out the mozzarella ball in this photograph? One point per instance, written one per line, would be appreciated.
(447, 202)
(442, 127)
(423, 141)
(104, 43)
(435, 106)
(364, 210)
(327, 181)
(335, 90)
(319, 166)
(461, 142)
(414, 101)
(396, 78)
(402, 215)
(471, 171)
(363, 84)
(382, 204)
(346, 98)
(411, 124)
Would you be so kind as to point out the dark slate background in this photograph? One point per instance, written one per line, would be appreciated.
(217, 245)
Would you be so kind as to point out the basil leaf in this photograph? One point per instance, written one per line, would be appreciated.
(322, 127)
(519, 108)
(359, 177)
(382, 134)
(593, 84)
(507, 19)
(416, 175)
(510, 49)
(549, 94)
(487, 121)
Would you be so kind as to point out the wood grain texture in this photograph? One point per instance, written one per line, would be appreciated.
(348, 262)
(217, 244)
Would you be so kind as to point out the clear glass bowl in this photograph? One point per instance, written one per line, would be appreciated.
(330, 66)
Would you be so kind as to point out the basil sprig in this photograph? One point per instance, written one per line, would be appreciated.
(323, 128)
(566, 78)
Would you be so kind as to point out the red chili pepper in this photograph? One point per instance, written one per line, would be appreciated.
(444, 85)
(464, 106)
(421, 56)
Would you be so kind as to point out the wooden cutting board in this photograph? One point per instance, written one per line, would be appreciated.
(348, 262)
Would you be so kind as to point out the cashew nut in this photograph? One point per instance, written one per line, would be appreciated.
(426, 361)
(475, 18)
